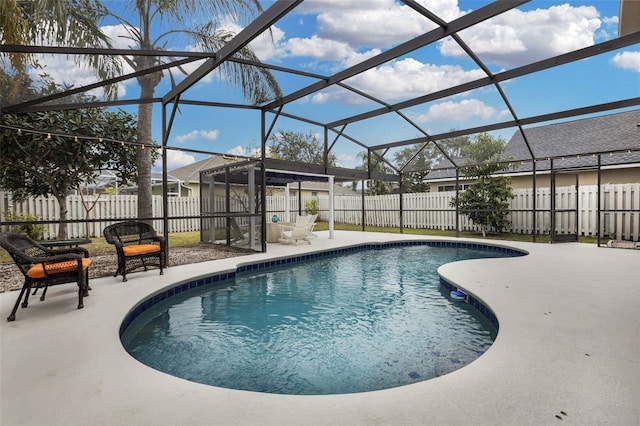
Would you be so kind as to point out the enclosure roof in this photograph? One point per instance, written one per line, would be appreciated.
(237, 173)
(372, 107)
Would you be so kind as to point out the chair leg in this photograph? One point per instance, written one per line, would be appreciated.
(44, 292)
(122, 269)
(25, 302)
(26, 287)
(81, 291)
(83, 283)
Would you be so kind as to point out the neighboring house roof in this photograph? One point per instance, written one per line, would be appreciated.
(156, 180)
(604, 133)
(191, 173)
(157, 177)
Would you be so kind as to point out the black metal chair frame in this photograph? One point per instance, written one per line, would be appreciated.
(132, 232)
(27, 253)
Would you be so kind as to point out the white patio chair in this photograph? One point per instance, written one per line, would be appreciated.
(311, 223)
(296, 234)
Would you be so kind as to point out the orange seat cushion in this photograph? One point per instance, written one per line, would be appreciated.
(137, 249)
(57, 268)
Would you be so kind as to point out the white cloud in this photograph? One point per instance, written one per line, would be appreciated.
(374, 23)
(237, 150)
(517, 37)
(407, 78)
(351, 31)
(346, 160)
(209, 135)
(457, 111)
(318, 48)
(64, 69)
(247, 151)
(268, 44)
(322, 49)
(627, 60)
(176, 159)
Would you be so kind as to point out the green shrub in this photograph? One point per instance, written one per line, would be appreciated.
(34, 231)
(311, 206)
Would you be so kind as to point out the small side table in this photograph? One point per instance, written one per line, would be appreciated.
(274, 232)
(53, 244)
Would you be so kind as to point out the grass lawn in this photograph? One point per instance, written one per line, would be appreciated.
(190, 239)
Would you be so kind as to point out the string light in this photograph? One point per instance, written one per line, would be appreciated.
(76, 138)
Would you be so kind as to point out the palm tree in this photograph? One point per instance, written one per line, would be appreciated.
(65, 22)
(376, 187)
(179, 16)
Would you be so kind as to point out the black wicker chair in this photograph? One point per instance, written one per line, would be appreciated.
(137, 246)
(43, 267)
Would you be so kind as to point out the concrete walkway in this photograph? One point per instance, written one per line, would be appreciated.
(568, 352)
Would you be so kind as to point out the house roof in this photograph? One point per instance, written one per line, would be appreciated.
(191, 172)
(577, 140)
(158, 177)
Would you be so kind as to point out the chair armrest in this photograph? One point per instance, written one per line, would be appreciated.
(152, 239)
(52, 259)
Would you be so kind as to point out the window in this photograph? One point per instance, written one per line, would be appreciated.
(443, 188)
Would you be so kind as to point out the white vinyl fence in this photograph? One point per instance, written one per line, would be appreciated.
(620, 218)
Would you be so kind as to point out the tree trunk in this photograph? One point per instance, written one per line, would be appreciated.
(62, 225)
(144, 158)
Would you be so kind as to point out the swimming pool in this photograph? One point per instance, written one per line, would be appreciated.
(369, 319)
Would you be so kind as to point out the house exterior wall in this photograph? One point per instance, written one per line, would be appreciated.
(174, 189)
(543, 180)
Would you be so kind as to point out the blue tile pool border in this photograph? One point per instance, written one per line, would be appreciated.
(198, 282)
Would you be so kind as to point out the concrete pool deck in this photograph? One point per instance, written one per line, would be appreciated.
(568, 352)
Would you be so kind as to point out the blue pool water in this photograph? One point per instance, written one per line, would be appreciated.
(363, 321)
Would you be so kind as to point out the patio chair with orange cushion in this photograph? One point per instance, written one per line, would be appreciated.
(44, 267)
(137, 246)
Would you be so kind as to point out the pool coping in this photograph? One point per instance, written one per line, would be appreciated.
(568, 343)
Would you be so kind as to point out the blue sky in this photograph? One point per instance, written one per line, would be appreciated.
(326, 36)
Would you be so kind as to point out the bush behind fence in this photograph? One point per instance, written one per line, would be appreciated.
(620, 215)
